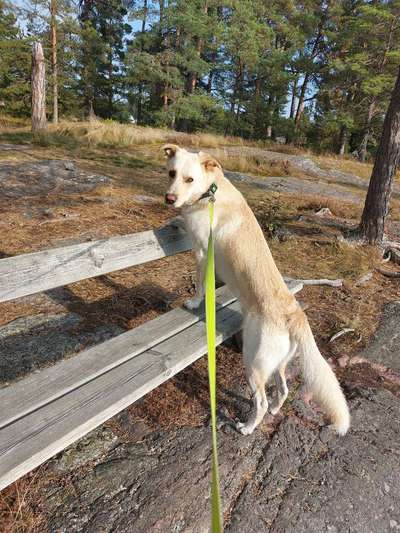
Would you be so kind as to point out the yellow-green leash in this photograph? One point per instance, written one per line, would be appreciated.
(216, 524)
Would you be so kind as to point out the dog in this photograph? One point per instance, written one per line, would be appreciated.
(275, 328)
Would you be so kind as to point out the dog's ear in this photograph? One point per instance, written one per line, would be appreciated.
(170, 150)
(209, 162)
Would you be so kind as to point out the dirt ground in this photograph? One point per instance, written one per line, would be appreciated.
(129, 475)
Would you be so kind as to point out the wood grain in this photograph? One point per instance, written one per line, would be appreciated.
(30, 273)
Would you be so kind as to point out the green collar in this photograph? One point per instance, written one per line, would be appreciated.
(210, 193)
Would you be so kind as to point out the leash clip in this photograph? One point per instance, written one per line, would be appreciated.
(211, 191)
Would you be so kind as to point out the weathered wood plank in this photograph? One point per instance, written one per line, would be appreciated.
(31, 440)
(30, 273)
(51, 383)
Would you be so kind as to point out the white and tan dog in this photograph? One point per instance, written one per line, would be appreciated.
(274, 328)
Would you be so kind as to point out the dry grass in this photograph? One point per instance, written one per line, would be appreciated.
(308, 258)
(87, 140)
(249, 163)
(20, 505)
(113, 134)
(109, 133)
(7, 121)
(347, 164)
(338, 208)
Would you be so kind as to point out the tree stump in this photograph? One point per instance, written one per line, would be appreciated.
(38, 88)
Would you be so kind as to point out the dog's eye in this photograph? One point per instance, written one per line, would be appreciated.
(172, 173)
(189, 180)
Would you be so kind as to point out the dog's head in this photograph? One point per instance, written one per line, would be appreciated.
(190, 175)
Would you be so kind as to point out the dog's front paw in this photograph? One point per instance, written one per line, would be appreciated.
(193, 303)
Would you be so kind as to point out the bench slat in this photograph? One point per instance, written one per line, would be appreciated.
(31, 440)
(36, 390)
(30, 273)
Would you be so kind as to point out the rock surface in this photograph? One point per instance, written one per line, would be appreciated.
(305, 164)
(385, 348)
(300, 479)
(292, 185)
(45, 177)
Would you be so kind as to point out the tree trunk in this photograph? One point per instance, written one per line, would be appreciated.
(192, 82)
(91, 115)
(38, 89)
(210, 80)
(54, 66)
(342, 140)
(376, 206)
(293, 102)
(258, 122)
(372, 106)
(144, 20)
(303, 90)
(362, 151)
(140, 88)
(300, 105)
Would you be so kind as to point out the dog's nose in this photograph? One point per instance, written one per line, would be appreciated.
(170, 198)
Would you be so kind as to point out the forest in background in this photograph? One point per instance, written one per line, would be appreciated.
(315, 73)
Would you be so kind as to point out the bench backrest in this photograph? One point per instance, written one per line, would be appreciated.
(30, 273)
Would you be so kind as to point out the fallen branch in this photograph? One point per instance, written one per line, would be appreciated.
(388, 273)
(328, 282)
(392, 254)
(391, 244)
(340, 333)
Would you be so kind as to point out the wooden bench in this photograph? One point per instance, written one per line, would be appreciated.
(47, 411)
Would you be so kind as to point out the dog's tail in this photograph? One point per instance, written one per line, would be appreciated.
(321, 380)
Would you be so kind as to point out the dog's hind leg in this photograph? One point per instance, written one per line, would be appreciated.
(257, 384)
(281, 389)
(264, 350)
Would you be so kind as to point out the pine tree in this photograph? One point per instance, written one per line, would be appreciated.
(317, 72)
(15, 53)
(356, 85)
(104, 30)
